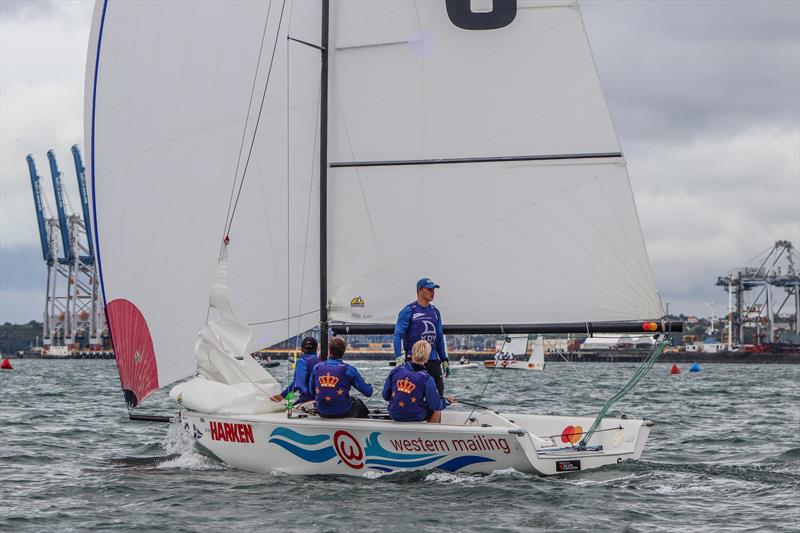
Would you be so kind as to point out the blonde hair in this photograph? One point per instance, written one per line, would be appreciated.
(420, 352)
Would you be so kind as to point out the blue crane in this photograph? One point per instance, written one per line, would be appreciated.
(37, 202)
(62, 215)
(80, 171)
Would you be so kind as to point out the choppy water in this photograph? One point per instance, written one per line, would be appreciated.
(724, 456)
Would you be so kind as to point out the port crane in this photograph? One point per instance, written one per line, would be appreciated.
(72, 308)
(776, 267)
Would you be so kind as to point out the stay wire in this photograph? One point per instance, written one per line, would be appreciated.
(247, 119)
(481, 395)
(258, 120)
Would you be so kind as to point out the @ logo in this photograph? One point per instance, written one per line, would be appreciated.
(348, 449)
(358, 301)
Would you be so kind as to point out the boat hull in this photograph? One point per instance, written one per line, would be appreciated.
(512, 365)
(273, 443)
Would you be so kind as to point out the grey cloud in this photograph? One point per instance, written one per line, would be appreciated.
(674, 70)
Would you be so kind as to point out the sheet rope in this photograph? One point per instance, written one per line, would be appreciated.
(641, 372)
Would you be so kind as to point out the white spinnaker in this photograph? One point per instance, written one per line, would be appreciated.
(509, 242)
(164, 126)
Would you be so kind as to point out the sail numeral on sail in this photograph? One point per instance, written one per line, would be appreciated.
(502, 14)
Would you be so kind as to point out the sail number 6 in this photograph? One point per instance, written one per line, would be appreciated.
(502, 14)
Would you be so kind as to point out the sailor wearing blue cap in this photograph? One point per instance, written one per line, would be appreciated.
(421, 320)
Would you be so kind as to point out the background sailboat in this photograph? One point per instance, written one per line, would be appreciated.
(512, 354)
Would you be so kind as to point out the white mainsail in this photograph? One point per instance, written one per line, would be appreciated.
(511, 239)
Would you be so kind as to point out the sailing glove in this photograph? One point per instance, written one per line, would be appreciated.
(446, 368)
(399, 361)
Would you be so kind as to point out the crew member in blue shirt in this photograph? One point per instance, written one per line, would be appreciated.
(301, 382)
(411, 391)
(332, 380)
(421, 320)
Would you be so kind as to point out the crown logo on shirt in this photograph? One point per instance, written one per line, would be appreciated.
(406, 385)
(328, 380)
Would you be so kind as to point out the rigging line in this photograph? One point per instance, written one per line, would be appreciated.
(361, 186)
(288, 203)
(575, 369)
(258, 120)
(247, 116)
(308, 204)
(478, 401)
(282, 319)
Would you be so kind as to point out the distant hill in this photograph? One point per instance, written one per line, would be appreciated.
(15, 337)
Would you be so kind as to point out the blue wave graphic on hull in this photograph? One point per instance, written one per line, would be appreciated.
(312, 456)
(460, 462)
(403, 464)
(299, 437)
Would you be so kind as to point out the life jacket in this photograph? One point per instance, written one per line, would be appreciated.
(422, 325)
(332, 388)
(408, 394)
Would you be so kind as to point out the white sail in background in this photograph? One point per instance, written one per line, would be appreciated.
(512, 348)
(169, 120)
(509, 241)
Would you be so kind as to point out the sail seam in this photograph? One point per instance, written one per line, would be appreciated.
(461, 160)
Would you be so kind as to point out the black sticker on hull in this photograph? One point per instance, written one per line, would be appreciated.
(568, 466)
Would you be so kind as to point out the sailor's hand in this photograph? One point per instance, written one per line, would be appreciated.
(446, 368)
(277, 398)
(450, 399)
(399, 361)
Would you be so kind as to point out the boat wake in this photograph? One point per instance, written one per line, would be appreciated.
(183, 454)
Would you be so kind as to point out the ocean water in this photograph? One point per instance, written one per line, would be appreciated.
(724, 456)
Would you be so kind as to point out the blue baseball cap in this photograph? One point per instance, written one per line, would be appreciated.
(426, 283)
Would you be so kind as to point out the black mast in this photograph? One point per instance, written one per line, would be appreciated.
(323, 186)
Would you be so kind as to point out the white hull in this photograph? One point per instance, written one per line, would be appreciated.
(534, 444)
(465, 365)
(513, 365)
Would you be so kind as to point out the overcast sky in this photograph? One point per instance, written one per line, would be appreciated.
(705, 96)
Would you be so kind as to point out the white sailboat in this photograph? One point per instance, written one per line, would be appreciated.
(513, 349)
(342, 150)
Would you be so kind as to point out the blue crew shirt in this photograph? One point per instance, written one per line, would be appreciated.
(352, 375)
(415, 322)
(407, 411)
(301, 382)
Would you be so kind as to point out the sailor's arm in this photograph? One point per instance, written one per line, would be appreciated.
(441, 345)
(400, 328)
(358, 382)
(432, 398)
(387, 386)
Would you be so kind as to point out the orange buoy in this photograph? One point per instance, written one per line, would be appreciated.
(6, 364)
(674, 369)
